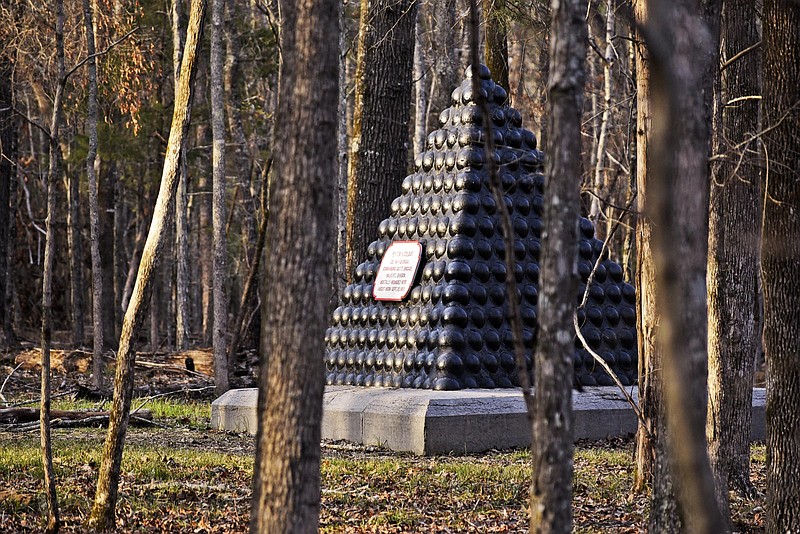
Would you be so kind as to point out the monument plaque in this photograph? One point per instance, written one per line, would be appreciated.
(397, 271)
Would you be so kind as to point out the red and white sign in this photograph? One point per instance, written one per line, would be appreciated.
(397, 271)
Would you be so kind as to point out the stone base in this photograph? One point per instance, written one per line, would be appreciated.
(441, 422)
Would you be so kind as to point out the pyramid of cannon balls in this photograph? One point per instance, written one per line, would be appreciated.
(452, 330)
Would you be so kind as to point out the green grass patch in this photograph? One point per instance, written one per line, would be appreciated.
(185, 478)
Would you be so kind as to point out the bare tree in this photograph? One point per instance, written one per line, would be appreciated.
(104, 508)
(780, 260)
(219, 208)
(53, 519)
(94, 218)
(8, 157)
(553, 449)
(182, 327)
(286, 487)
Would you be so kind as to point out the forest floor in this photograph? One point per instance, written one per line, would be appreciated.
(181, 476)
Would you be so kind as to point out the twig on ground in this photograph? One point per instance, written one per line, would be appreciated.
(2, 397)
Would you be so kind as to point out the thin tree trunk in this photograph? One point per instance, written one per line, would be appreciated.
(602, 136)
(8, 147)
(553, 449)
(379, 148)
(182, 327)
(75, 246)
(104, 508)
(340, 274)
(286, 487)
(53, 520)
(252, 277)
(683, 40)
(219, 207)
(420, 90)
(446, 67)
(650, 386)
(780, 261)
(94, 217)
(496, 32)
(733, 256)
(107, 216)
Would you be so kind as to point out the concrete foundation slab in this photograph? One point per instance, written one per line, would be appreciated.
(441, 422)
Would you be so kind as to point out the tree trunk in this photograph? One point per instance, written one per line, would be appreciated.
(286, 487)
(421, 85)
(496, 50)
(107, 217)
(683, 40)
(104, 508)
(340, 262)
(75, 246)
(216, 67)
(206, 241)
(733, 255)
(182, 327)
(379, 148)
(780, 261)
(8, 146)
(649, 356)
(94, 218)
(446, 67)
(53, 520)
(553, 449)
(599, 181)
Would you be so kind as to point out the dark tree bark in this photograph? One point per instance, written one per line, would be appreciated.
(780, 261)
(446, 68)
(53, 519)
(682, 37)
(75, 246)
(8, 155)
(182, 327)
(104, 509)
(496, 31)
(379, 148)
(107, 214)
(94, 218)
(733, 254)
(553, 431)
(286, 487)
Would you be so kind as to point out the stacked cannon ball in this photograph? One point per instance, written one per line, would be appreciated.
(452, 330)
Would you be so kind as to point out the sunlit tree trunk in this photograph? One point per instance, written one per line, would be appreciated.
(553, 432)
(104, 509)
(780, 261)
(286, 487)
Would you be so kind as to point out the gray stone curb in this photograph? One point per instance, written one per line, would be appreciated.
(440, 422)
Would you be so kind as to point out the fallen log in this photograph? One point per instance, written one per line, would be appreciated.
(15, 416)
